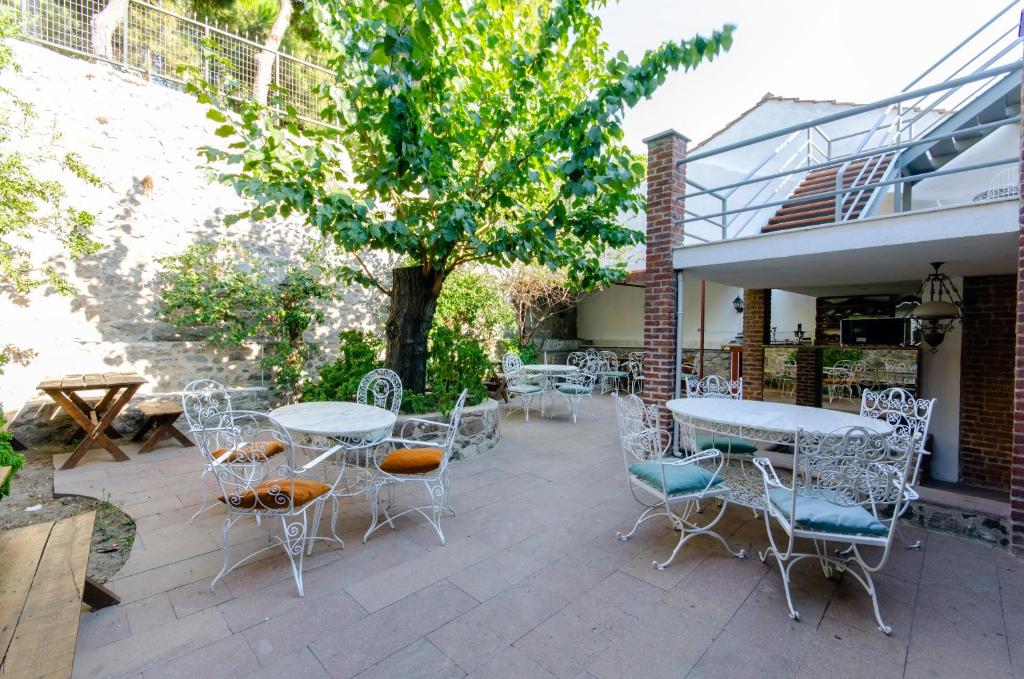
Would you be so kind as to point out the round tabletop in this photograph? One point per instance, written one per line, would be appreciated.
(549, 368)
(336, 418)
(766, 421)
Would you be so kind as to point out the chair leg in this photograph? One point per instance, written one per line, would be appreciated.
(437, 502)
(373, 497)
(294, 542)
(648, 513)
(686, 535)
(202, 490)
(317, 515)
(225, 545)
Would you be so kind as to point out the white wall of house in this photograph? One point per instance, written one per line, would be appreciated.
(613, 317)
(790, 310)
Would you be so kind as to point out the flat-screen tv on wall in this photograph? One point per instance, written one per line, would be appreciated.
(890, 331)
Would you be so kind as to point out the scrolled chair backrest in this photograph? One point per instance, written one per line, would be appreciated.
(714, 386)
(202, 399)
(258, 480)
(908, 415)
(576, 358)
(511, 364)
(609, 360)
(385, 386)
(637, 357)
(850, 466)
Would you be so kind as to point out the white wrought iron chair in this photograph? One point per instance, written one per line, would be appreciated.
(201, 400)
(665, 485)
(839, 381)
(636, 377)
(577, 359)
(910, 418)
(845, 483)
(237, 446)
(610, 372)
(384, 386)
(900, 374)
(714, 386)
(519, 385)
(417, 461)
(577, 386)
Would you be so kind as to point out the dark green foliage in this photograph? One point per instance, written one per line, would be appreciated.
(833, 355)
(359, 353)
(8, 457)
(456, 362)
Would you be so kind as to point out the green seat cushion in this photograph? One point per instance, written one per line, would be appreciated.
(818, 513)
(613, 373)
(525, 388)
(726, 444)
(573, 389)
(680, 478)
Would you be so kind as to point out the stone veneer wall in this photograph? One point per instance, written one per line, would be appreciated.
(141, 139)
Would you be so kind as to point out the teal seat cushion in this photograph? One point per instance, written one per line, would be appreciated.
(817, 513)
(575, 389)
(680, 479)
(525, 388)
(726, 444)
(613, 373)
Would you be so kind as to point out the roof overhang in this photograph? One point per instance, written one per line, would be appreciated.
(884, 254)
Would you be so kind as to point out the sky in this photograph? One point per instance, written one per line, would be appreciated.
(825, 49)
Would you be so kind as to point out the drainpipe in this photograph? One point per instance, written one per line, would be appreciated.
(677, 368)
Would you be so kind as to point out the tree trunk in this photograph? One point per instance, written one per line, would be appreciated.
(265, 59)
(104, 23)
(413, 302)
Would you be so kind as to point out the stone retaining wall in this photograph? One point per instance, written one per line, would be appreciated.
(479, 431)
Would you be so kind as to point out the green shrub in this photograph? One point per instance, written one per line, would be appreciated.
(8, 458)
(338, 381)
(527, 352)
(456, 362)
(833, 355)
(471, 303)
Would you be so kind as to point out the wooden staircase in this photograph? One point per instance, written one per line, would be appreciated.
(823, 211)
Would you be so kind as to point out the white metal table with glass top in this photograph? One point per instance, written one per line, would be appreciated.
(321, 425)
(549, 374)
(762, 422)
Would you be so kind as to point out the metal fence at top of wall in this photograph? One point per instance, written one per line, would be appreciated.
(155, 41)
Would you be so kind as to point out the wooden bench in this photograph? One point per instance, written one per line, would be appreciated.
(162, 415)
(42, 578)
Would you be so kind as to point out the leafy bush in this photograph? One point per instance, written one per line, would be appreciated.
(456, 362)
(471, 304)
(237, 295)
(338, 381)
(526, 350)
(833, 355)
(8, 458)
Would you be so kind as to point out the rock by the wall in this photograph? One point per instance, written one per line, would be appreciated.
(141, 139)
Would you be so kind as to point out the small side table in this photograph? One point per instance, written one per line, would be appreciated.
(162, 415)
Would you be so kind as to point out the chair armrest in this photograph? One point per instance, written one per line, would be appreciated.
(771, 479)
(415, 420)
(321, 457)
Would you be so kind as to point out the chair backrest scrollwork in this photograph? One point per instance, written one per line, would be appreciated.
(384, 386)
(202, 399)
(908, 415)
(714, 386)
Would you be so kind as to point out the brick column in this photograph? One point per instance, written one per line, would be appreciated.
(808, 376)
(1017, 464)
(757, 332)
(665, 185)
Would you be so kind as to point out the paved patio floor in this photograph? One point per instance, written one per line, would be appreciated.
(532, 583)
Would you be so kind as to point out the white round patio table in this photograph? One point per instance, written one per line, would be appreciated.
(549, 372)
(352, 422)
(357, 427)
(765, 421)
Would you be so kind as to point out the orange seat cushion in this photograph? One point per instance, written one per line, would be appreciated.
(254, 452)
(412, 461)
(274, 494)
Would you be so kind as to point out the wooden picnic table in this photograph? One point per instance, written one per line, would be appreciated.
(95, 417)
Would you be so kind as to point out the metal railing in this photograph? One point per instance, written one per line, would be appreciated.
(907, 119)
(154, 41)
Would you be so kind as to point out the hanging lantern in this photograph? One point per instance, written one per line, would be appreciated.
(737, 304)
(940, 308)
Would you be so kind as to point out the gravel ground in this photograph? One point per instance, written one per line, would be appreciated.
(32, 487)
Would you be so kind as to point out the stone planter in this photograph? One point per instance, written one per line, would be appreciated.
(479, 431)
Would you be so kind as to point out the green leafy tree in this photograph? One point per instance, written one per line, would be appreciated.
(456, 132)
(239, 296)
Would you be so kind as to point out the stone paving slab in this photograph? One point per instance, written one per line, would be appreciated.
(532, 583)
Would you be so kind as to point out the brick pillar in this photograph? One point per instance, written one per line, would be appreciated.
(757, 332)
(665, 185)
(808, 376)
(1017, 466)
